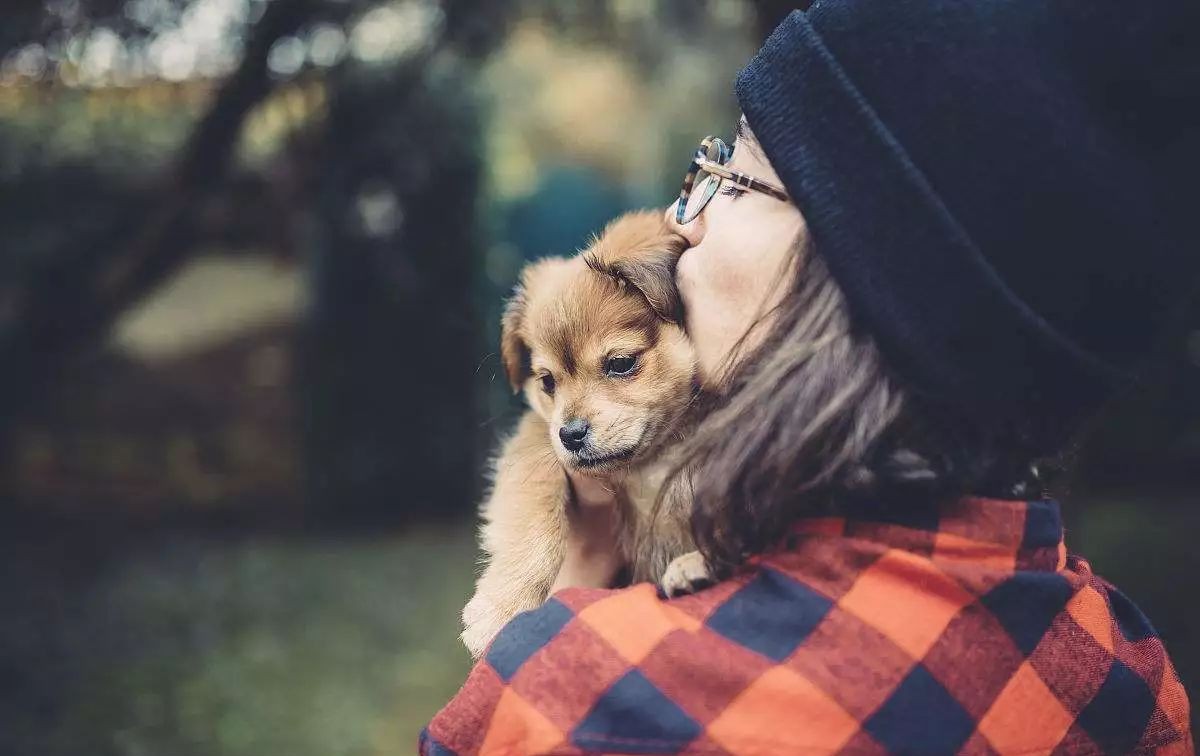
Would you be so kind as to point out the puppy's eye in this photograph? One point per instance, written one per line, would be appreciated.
(548, 383)
(620, 364)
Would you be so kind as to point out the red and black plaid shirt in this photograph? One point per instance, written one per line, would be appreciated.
(964, 628)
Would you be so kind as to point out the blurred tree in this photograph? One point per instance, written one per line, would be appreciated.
(391, 180)
(69, 296)
(392, 352)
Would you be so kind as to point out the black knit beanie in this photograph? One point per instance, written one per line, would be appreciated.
(999, 186)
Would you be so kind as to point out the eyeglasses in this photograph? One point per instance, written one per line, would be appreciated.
(705, 175)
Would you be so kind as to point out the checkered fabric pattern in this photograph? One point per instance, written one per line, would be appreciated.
(963, 628)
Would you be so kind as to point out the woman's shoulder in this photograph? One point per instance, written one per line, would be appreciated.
(841, 642)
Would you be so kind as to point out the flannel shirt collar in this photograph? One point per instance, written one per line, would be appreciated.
(994, 533)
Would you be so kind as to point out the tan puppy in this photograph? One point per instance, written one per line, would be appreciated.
(595, 343)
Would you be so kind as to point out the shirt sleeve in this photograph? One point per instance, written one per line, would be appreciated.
(545, 682)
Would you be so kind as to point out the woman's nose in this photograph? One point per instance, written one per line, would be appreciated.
(693, 231)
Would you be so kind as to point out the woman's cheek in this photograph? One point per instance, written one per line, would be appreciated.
(685, 279)
(716, 271)
(710, 322)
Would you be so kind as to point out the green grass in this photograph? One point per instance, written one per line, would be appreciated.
(256, 646)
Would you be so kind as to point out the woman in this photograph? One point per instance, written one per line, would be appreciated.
(947, 233)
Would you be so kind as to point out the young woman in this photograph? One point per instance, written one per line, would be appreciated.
(947, 233)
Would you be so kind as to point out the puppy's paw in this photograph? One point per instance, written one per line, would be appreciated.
(481, 622)
(686, 574)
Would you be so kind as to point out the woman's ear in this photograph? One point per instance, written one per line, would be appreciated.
(514, 352)
(640, 250)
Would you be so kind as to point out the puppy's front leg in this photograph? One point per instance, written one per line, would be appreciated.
(522, 534)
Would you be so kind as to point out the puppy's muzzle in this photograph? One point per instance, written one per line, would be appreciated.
(573, 434)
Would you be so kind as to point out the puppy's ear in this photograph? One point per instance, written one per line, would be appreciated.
(653, 274)
(514, 352)
(639, 249)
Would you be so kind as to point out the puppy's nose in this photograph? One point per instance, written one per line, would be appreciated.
(572, 434)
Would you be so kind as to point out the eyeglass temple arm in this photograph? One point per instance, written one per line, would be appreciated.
(742, 179)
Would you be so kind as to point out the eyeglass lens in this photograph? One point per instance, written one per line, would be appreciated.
(705, 184)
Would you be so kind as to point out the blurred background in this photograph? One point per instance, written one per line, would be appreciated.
(252, 256)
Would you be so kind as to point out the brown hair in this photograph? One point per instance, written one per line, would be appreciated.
(813, 420)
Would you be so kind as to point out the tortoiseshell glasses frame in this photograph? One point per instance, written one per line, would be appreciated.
(704, 177)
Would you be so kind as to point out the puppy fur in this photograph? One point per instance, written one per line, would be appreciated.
(570, 322)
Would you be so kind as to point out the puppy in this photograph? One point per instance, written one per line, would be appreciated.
(596, 344)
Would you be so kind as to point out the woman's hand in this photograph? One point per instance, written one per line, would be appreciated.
(592, 559)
